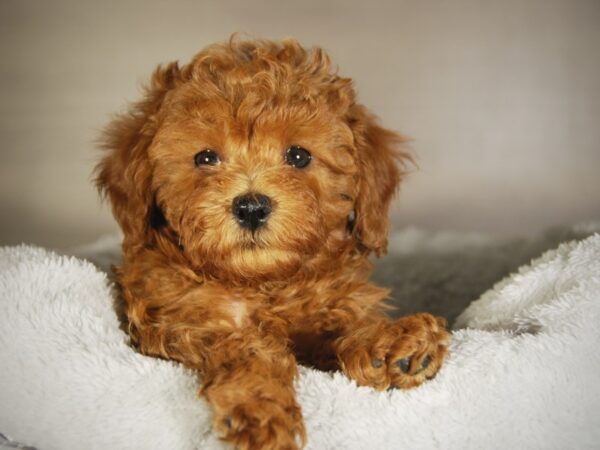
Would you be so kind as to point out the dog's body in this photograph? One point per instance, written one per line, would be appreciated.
(251, 188)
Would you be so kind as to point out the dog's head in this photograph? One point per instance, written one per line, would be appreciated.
(250, 161)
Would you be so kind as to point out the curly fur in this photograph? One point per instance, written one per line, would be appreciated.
(244, 307)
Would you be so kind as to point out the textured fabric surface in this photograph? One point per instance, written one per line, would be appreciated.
(522, 371)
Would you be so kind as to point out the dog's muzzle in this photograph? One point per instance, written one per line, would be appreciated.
(251, 210)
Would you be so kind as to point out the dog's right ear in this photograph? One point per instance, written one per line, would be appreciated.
(124, 175)
(382, 162)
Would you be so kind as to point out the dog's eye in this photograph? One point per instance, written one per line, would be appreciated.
(206, 157)
(297, 156)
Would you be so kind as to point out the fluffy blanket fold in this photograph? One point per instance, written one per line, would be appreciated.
(522, 373)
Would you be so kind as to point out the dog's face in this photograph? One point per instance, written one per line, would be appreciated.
(252, 161)
(256, 194)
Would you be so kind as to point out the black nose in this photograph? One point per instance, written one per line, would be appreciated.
(251, 210)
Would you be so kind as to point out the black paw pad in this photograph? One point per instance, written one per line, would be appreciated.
(377, 363)
(425, 363)
(403, 364)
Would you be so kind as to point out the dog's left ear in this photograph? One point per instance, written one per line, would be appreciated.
(124, 175)
(380, 160)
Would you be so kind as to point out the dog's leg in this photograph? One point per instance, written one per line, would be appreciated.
(249, 382)
(385, 354)
(247, 370)
(247, 375)
(349, 330)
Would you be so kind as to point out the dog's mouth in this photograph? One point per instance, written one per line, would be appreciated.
(254, 240)
(252, 245)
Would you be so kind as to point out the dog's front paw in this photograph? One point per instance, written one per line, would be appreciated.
(261, 424)
(399, 354)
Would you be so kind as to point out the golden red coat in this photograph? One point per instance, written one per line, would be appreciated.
(244, 306)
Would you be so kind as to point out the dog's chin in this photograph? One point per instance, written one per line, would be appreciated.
(250, 258)
(253, 263)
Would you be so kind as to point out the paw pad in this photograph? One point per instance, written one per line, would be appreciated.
(377, 363)
(404, 364)
(425, 363)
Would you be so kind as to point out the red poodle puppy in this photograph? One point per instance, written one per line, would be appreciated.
(251, 188)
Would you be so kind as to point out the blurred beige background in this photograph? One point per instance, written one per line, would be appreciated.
(502, 99)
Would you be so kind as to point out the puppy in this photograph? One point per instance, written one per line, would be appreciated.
(251, 188)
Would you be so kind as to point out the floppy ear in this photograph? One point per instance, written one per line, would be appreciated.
(380, 160)
(124, 175)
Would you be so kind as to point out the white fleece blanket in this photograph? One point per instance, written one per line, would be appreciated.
(523, 370)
